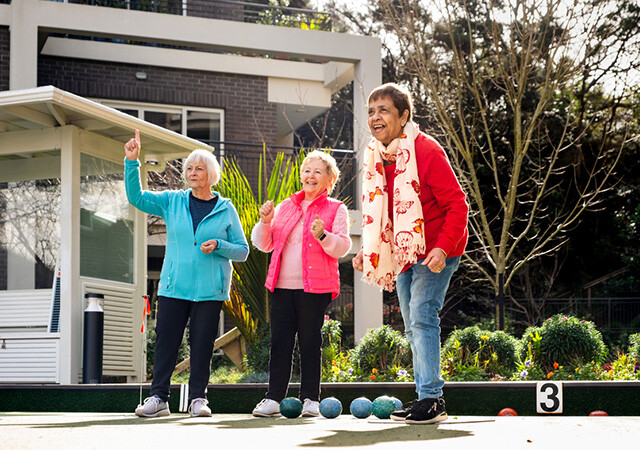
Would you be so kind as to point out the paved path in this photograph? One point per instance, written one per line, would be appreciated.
(71, 431)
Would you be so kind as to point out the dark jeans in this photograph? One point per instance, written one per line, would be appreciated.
(294, 311)
(171, 321)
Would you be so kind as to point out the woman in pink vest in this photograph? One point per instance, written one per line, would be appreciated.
(307, 233)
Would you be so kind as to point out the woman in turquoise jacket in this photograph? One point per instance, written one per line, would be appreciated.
(204, 235)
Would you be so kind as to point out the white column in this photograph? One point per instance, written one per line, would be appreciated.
(23, 49)
(71, 303)
(367, 299)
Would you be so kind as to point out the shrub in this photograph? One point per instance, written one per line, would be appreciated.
(331, 342)
(622, 368)
(495, 352)
(634, 348)
(381, 349)
(563, 340)
(257, 357)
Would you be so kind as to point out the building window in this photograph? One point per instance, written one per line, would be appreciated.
(106, 222)
(29, 220)
(203, 124)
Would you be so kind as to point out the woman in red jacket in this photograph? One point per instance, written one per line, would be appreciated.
(307, 233)
(414, 230)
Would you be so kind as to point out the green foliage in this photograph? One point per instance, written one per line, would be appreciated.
(634, 347)
(249, 302)
(257, 357)
(624, 367)
(564, 340)
(494, 351)
(381, 349)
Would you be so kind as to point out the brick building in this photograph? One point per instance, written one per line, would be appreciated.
(230, 76)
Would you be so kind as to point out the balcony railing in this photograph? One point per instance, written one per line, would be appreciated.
(237, 11)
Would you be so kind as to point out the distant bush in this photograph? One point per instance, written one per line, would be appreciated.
(634, 348)
(564, 340)
(381, 349)
(489, 352)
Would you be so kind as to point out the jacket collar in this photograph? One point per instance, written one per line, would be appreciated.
(299, 196)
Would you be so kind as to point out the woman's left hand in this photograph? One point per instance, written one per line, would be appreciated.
(209, 246)
(317, 227)
(435, 260)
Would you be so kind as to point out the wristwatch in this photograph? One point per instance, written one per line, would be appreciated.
(324, 235)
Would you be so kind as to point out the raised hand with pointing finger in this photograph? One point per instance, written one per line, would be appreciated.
(132, 147)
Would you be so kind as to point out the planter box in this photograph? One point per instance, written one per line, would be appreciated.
(617, 398)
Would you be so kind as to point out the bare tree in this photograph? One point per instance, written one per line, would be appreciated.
(505, 85)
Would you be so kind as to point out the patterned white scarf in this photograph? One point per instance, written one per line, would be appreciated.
(387, 247)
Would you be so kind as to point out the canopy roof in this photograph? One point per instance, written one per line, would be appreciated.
(50, 107)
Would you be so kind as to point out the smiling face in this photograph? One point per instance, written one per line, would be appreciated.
(315, 178)
(385, 121)
(197, 175)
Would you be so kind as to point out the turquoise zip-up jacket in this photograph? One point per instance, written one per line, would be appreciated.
(187, 273)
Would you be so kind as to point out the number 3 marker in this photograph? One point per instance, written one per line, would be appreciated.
(549, 397)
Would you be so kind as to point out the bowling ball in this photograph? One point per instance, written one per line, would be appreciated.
(383, 406)
(330, 407)
(507, 412)
(361, 407)
(398, 403)
(598, 413)
(291, 407)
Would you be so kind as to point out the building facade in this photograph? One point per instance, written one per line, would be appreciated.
(231, 76)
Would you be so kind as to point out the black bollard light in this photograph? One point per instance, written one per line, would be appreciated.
(93, 339)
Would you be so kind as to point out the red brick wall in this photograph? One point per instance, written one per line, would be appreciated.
(249, 117)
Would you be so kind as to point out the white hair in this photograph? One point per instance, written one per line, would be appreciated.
(331, 166)
(210, 163)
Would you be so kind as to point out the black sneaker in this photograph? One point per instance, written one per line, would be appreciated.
(428, 410)
(402, 414)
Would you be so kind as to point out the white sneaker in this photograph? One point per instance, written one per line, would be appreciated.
(153, 407)
(267, 408)
(199, 408)
(310, 408)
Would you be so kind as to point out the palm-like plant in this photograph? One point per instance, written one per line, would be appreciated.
(249, 301)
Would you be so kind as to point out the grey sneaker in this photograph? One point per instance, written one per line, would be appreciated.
(153, 407)
(310, 408)
(199, 408)
(267, 408)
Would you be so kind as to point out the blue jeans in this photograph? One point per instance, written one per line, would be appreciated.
(421, 296)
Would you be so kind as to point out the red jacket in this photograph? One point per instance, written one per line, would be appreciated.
(320, 272)
(444, 204)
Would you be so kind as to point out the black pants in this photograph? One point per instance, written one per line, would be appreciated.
(171, 321)
(294, 311)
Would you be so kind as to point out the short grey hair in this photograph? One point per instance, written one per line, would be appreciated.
(210, 162)
(330, 162)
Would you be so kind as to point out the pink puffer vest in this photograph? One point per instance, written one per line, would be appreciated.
(319, 271)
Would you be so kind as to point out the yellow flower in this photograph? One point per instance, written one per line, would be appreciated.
(485, 337)
(374, 370)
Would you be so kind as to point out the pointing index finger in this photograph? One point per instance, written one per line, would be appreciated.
(138, 136)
